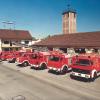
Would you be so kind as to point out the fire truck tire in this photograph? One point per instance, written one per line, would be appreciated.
(25, 64)
(43, 66)
(13, 60)
(71, 76)
(94, 76)
(65, 69)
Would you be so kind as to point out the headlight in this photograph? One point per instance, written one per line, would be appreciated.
(87, 76)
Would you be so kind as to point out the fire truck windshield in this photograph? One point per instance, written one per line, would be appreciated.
(54, 58)
(83, 62)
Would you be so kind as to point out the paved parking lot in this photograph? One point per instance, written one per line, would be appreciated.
(41, 85)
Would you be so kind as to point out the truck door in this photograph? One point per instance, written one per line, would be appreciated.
(41, 58)
(33, 58)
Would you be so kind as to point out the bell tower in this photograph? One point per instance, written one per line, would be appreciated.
(69, 21)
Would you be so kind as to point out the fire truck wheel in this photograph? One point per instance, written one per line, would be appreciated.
(12, 61)
(25, 64)
(43, 66)
(65, 69)
(94, 77)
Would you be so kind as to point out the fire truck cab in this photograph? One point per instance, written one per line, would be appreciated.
(39, 60)
(35, 60)
(86, 66)
(59, 62)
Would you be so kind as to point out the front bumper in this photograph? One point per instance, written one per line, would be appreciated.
(36, 66)
(81, 75)
(54, 69)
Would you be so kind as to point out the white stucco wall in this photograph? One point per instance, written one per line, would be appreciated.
(33, 42)
(30, 43)
(23, 42)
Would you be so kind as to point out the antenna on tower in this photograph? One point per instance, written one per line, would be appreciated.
(69, 5)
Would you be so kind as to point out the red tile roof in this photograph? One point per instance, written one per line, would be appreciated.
(15, 34)
(85, 39)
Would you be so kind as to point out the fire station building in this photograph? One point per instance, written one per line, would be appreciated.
(14, 39)
(89, 40)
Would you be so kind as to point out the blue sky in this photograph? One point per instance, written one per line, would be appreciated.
(44, 17)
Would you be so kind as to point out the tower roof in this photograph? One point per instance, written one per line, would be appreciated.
(69, 10)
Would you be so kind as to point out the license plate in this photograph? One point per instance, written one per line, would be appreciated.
(79, 74)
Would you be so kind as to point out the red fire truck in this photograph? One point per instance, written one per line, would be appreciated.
(59, 62)
(36, 60)
(39, 60)
(86, 66)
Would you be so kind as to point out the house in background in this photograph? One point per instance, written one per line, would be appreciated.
(14, 39)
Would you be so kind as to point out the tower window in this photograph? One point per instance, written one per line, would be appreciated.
(68, 14)
(74, 15)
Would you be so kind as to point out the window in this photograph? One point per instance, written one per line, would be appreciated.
(26, 42)
(6, 42)
(34, 56)
(54, 58)
(84, 62)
